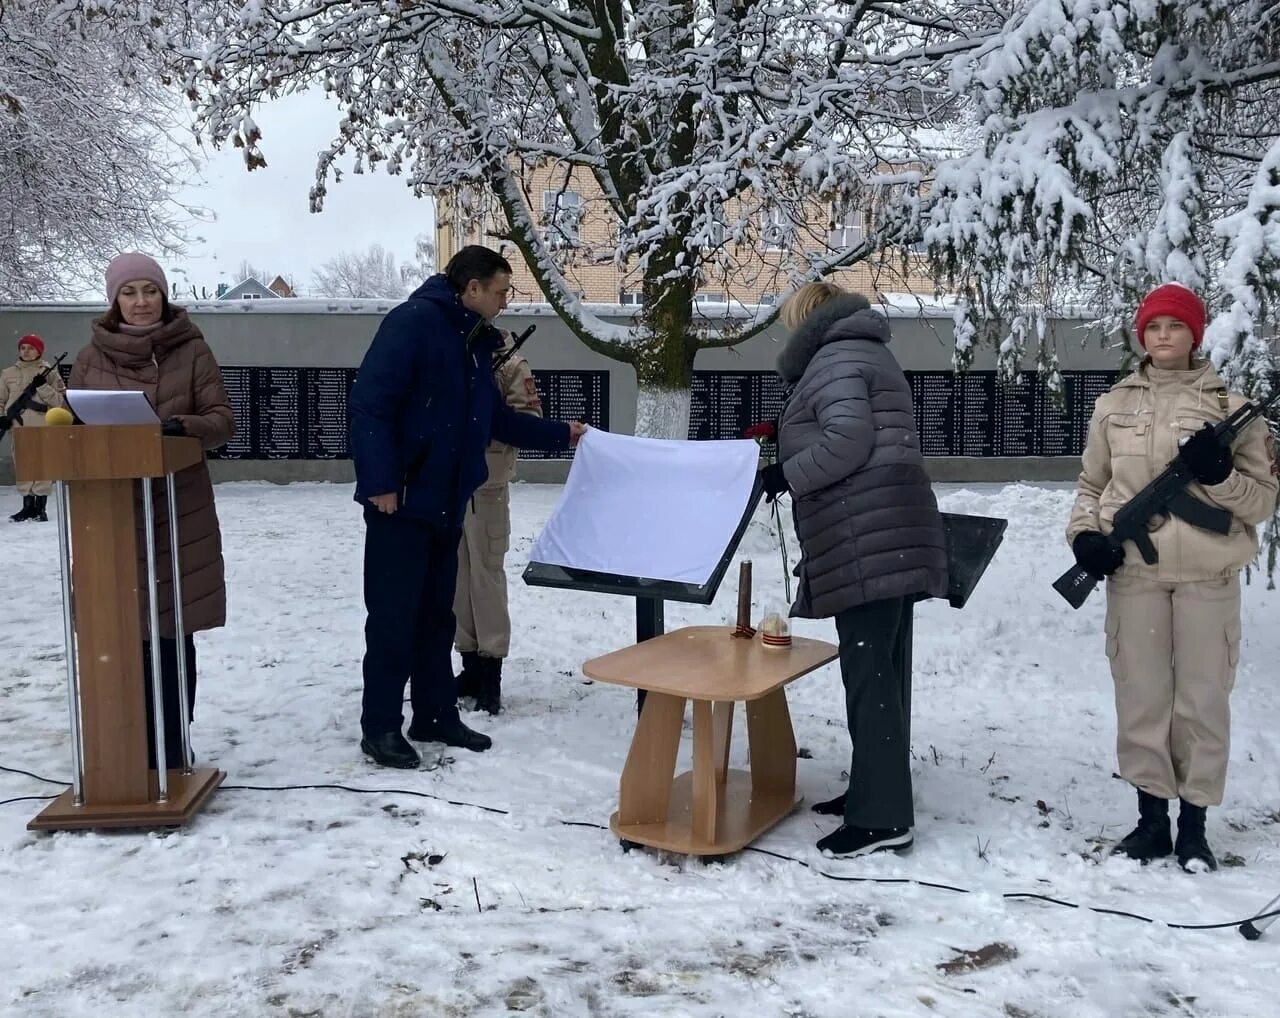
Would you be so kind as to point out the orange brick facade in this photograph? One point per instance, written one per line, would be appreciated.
(585, 242)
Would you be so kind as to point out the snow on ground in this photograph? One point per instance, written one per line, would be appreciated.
(324, 902)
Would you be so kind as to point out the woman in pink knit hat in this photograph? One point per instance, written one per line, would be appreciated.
(1173, 625)
(145, 344)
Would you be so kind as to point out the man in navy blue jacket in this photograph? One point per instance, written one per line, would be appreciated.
(423, 409)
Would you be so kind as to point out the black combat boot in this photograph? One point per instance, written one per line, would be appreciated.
(39, 515)
(1150, 839)
(489, 698)
(1192, 848)
(27, 511)
(469, 677)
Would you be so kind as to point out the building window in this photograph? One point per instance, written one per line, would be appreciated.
(775, 232)
(847, 225)
(715, 227)
(562, 217)
(630, 298)
(767, 300)
(709, 298)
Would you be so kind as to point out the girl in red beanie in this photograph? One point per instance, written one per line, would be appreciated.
(13, 383)
(1172, 626)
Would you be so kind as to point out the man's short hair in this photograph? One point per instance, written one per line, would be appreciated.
(475, 262)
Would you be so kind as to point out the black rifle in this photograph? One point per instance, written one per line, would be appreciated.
(508, 354)
(1167, 495)
(27, 397)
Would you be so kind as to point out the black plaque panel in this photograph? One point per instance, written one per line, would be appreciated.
(1014, 426)
(325, 395)
(933, 397)
(288, 413)
(571, 396)
(723, 404)
(239, 385)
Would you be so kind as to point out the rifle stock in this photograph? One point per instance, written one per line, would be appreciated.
(1075, 585)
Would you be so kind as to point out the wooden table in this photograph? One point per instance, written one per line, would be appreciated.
(710, 810)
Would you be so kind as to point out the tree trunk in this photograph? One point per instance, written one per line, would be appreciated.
(664, 365)
(662, 412)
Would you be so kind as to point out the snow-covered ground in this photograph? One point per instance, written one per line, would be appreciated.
(310, 902)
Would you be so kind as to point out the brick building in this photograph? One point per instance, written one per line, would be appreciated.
(581, 229)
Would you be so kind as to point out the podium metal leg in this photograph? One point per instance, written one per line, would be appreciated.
(153, 615)
(179, 626)
(62, 511)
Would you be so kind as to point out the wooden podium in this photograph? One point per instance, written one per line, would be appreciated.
(96, 471)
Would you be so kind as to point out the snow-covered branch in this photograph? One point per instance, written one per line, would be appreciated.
(87, 168)
(1117, 142)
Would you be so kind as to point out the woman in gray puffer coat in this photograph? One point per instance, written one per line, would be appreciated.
(871, 539)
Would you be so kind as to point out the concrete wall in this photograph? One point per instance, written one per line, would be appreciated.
(313, 333)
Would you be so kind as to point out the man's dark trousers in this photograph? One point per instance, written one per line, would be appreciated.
(875, 664)
(410, 570)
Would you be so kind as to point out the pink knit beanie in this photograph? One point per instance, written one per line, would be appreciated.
(127, 268)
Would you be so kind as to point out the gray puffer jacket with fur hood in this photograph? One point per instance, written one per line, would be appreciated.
(865, 513)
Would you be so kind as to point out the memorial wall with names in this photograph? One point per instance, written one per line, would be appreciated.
(957, 414)
(302, 413)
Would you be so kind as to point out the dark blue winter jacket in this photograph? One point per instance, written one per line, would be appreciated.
(425, 405)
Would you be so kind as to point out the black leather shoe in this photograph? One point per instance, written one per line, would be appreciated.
(390, 749)
(831, 807)
(451, 733)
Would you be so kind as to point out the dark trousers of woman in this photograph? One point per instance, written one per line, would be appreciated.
(875, 664)
(172, 708)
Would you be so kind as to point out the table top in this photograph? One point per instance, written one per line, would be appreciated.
(708, 663)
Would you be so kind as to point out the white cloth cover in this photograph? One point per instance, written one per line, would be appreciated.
(652, 508)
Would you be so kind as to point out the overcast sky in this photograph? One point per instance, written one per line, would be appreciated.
(263, 216)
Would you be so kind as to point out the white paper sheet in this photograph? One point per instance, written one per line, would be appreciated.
(94, 406)
(659, 509)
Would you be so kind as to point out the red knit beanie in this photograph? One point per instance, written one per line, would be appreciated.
(32, 340)
(1177, 301)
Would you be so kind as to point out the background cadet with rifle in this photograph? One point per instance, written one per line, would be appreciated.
(483, 636)
(14, 383)
(1173, 618)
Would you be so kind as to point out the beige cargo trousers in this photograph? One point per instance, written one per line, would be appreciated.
(1173, 709)
(480, 600)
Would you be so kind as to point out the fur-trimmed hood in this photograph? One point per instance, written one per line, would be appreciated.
(848, 317)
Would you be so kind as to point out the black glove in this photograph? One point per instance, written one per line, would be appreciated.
(1096, 555)
(1207, 460)
(173, 428)
(774, 481)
